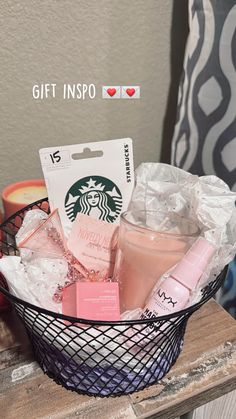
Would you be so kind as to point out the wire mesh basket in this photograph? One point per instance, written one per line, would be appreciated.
(99, 358)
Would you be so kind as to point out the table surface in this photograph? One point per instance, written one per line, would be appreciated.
(205, 370)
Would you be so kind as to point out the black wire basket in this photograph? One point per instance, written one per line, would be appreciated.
(99, 358)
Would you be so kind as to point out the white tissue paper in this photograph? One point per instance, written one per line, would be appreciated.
(36, 281)
(206, 200)
(31, 221)
(30, 277)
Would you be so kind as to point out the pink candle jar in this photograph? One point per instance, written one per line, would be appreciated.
(20, 194)
(149, 245)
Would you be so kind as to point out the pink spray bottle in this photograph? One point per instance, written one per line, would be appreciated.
(173, 293)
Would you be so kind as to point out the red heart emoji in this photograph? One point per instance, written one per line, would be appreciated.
(111, 91)
(130, 92)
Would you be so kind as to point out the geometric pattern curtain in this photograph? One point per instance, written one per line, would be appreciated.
(204, 140)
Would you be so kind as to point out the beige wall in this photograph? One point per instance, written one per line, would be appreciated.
(104, 42)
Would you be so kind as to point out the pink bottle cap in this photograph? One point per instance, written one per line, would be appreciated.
(189, 270)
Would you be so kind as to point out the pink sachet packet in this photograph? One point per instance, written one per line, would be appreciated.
(94, 242)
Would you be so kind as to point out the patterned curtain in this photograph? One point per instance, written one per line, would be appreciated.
(204, 140)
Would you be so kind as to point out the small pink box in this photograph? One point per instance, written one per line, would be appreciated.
(92, 301)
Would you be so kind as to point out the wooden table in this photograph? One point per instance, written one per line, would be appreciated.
(205, 370)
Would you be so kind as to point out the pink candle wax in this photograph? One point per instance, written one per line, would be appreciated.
(143, 259)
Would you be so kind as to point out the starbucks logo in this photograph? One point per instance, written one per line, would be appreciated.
(96, 196)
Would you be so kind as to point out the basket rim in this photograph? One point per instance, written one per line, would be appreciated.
(23, 209)
(184, 312)
(187, 311)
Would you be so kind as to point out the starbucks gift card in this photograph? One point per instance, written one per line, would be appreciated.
(95, 179)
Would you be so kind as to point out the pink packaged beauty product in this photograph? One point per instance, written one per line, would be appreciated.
(92, 301)
(173, 292)
(94, 242)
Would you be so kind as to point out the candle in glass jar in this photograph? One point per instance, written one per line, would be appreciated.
(143, 256)
(21, 194)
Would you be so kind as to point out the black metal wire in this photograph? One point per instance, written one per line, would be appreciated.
(99, 358)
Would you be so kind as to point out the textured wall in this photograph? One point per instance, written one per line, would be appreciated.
(104, 42)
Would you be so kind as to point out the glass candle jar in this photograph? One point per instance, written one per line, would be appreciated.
(149, 244)
(20, 194)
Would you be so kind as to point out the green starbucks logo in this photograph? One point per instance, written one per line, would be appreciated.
(96, 196)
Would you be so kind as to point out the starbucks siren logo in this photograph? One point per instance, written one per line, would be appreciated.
(96, 196)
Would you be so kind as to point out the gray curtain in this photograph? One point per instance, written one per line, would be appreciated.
(204, 140)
